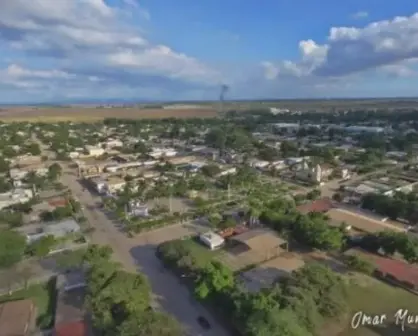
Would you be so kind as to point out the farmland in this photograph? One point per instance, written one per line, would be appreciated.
(91, 114)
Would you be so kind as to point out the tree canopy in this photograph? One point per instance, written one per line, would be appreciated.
(12, 248)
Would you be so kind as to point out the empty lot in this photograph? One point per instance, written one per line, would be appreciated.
(56, 114)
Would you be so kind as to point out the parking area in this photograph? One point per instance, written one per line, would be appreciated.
(173, 232)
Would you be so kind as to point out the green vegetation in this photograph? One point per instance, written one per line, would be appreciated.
(390, 242)
(12, 248)
(400, 205)
(311, 230)
(43, 296)
(120, 301)
(375, 297)
(294, 307)
(359, 264)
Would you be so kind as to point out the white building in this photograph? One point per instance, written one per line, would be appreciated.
(94, 151)
(19, 174)
(287, 127)
(228, 171)
(56, 229)
(259, 164)
(112, 143)
(138, 209)
(16, 196)
(162, 152)
(212, 240)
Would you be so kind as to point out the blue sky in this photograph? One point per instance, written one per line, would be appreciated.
(52, 50)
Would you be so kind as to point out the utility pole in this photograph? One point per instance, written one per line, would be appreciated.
(224, 90)
(229, 191)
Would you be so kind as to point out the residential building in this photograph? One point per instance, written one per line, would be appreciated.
(16, 196)
(114, 184)
(212, 240)
(58, 229)
(17, 318)
(137, 209)
(18, 174)
(316, 174)
(162, 152)
(91, 166)
(112, 143)
(228, 171)
(94, 150)
(24, 160)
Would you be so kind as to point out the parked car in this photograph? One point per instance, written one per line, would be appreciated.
(204, 323)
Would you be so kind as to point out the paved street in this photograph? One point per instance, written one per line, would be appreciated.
(139, 254)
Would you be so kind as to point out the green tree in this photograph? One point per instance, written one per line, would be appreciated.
(33, 149)
(54, 171)
(42, 247)
(12, 248)
(149, 324)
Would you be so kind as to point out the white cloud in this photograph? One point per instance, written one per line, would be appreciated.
(351, 50)
(15, 71)
(360, 15)
(91, 31)
(161, 59)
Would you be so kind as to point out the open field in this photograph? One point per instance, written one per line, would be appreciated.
(374, 297)
(91, 114)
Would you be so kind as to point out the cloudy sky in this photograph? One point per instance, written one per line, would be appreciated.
(53, 50)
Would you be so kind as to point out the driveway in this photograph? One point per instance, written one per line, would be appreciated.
(138, 254)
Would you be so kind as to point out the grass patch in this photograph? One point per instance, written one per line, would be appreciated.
(44, 297)
(375, 297)
(201, 251)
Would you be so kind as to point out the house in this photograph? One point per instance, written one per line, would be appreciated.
(181, 159)
(227, 171)
(287, 127)
(58, 229)
(18, 174)
(17, 318)
(16, 196)
(91, 166)
(25, 160)
(112, 143)
(137, 209)
(212, 240)
(259, 164)
(316, 174)
(94, 150)
(162, 152)
(114, 184)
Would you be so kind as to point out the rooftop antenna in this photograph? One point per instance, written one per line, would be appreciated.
(224, 90)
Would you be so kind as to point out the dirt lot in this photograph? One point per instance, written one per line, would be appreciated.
(56, 114)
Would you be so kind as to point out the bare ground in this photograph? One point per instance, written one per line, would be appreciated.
(56, 114)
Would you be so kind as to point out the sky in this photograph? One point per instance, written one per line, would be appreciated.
(82, 50)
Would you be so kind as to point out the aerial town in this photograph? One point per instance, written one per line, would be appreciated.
(254, 223)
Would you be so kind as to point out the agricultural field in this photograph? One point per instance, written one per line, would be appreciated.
(92, 114)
